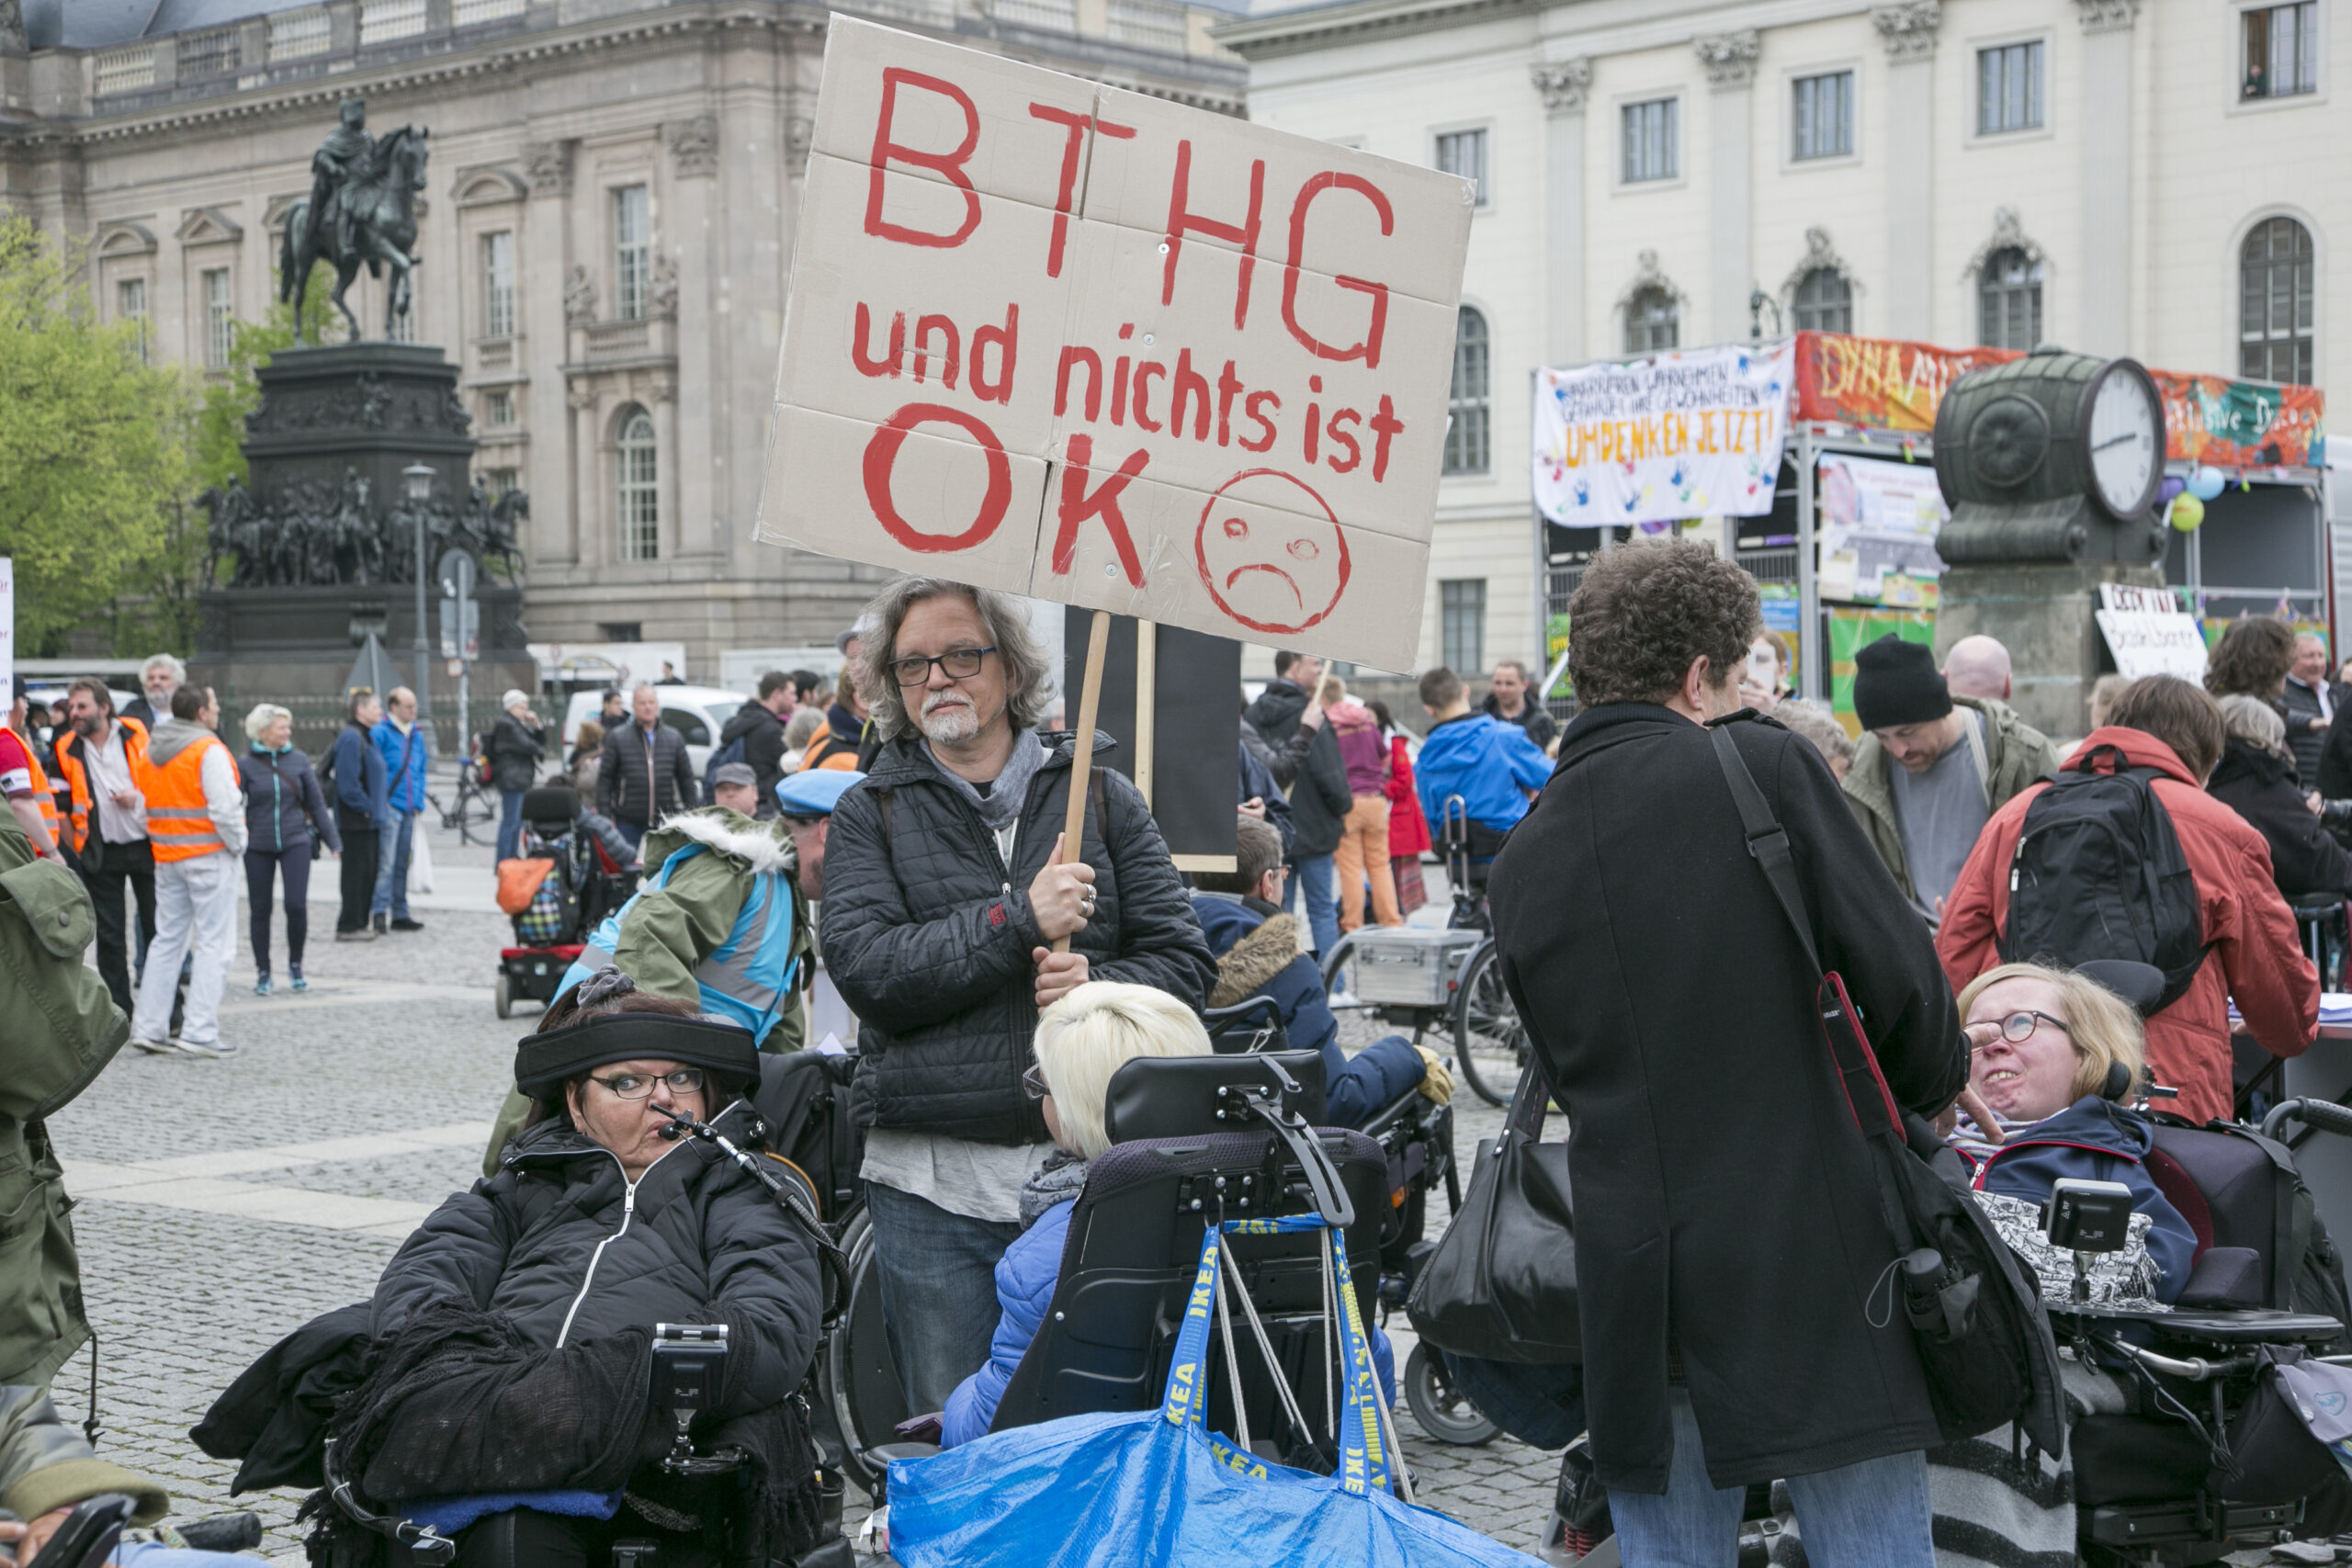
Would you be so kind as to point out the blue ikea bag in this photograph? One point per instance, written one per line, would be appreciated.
(1154, 1486)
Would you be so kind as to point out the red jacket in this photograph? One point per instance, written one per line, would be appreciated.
(1408, 831)
(2257, 956)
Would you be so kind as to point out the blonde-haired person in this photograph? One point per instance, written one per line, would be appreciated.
(2046, 1041)
(284, 809)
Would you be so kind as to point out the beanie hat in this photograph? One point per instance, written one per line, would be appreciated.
(1896, 683)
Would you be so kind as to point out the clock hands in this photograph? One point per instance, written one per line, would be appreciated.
(2119, 440)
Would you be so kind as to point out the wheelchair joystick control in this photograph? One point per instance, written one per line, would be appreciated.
(687, 1361)
(2087, 1217)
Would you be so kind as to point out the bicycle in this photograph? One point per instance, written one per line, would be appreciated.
(477, 803)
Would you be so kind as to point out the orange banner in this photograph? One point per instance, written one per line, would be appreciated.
(2238, 424)
(1880, 383)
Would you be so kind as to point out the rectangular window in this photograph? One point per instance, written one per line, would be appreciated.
(1652, 139)
(219, 319)
(1462, 609)
(2009, 88)
(498, 284)
(2282, 51)
(500, 481)
(1824, 114)
(1463, 153)
(498, 408)
(632, 252)
(131, 305)
(621, 631)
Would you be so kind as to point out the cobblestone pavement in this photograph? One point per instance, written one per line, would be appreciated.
(225, 1203)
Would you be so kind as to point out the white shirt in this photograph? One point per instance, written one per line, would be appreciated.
(224, 796)
(110, 771)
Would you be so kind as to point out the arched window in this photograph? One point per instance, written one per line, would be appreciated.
(2275, 278)
(1652, 321)
(2008, 300)
(1466, 436)
(640, 489)
(1824, 302)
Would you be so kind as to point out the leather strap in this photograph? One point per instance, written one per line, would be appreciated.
(1768, 841)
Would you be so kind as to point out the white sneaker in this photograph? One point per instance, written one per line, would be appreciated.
(209, 1049)
(153, 1047)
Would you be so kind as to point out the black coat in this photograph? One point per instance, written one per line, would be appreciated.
(621, 775)
(2261, 786)
(699, 1237)
(2336, 756)
(928, 934)
(2301, 706)
(763, 736)
(1533, 717)
(1319, 797)
(1726, 1207)
(515, 751)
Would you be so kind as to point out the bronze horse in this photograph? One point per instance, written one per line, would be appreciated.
(382, 205)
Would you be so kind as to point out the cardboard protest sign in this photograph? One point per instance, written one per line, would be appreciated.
(1054, 338)
(2149, 633)
(1687, 433)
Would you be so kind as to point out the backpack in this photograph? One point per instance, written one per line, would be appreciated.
(731, 752)
(2098, 872)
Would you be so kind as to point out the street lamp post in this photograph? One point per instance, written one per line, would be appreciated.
(417, 487)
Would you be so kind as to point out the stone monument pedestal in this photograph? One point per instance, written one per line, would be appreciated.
(2042, 611)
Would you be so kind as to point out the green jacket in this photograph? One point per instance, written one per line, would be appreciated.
(44, 1463)
(2015, 754)
(63, 1030)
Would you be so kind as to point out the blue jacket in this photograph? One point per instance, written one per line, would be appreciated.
(1026, 1276)
(1487, 761)
(360, 784)
(2100, 1140)
(404, 762)
(282, 803)
(1257, 954)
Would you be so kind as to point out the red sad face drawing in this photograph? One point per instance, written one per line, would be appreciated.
(1270, 553)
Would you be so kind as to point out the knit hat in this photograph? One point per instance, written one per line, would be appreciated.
(542, 1061)
(1896, 683)
(515, 698)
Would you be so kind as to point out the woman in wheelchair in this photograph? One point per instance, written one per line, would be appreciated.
(1083, 1039)
(2055, 1054)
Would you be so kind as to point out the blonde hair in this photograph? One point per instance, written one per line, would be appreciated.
(1334, 690)
(2103, 1027)
(258, 722)
(1090, 1034)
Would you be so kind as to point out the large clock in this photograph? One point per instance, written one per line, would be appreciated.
(2124, 440)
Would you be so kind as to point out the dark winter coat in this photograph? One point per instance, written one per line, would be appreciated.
(283, 803)
(2301, 705)
(2097, 1141)
(762, 734)
(2336, 756)
(1258, 783)
(621, 775)
(1533, 717)
(1319, 797)
(561, 1242)
(515, 749)
(2260, 786)
(1727, 1209)
(928, 934)
(361, 786)
(1258, 955)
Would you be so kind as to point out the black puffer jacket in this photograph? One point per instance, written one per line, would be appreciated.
(558, 1242)
(515, 749)
(928, 935)
(763, 736)
(621, 775)
(2260, 786)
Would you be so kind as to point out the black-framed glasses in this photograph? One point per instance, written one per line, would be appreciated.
(1033, 1083)
(960, 663)
(639, 1086)
(2018, 1027)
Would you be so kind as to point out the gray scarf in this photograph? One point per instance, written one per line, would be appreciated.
(1000, 807)
(1060, 1179)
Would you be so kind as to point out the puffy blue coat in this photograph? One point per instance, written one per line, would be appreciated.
(2100, 1140)
(283, 802)
(1257, 954)
(1026, 1276)
(1488, 763)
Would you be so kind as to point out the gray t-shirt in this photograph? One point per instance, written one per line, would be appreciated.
(1941, 812)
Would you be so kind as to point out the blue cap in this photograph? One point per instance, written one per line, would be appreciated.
(813, 792)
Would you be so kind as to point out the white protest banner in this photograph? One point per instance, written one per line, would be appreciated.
(1687, 434)
(1055, 338)
(1876, 518)
(2149, 633)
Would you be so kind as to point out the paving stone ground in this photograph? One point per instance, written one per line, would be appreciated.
(396, 1037)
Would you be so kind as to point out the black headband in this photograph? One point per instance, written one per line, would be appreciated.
(542, 1061)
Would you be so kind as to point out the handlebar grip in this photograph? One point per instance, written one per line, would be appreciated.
(2323, 1114)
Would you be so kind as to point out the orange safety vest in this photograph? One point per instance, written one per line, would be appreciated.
(179, 825)
(77, 776)
(828, 751)
(41, 792)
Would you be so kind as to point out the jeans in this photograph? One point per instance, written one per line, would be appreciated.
(196, 915)
(1362, 855)
(106, 869)
(391, 875)
(1871, 1515)
(358, 877)
(634, 832)
(938, 1272)
(262, 867)
(509, 823)
(1311, 880)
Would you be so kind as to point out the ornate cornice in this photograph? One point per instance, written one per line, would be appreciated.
(2106, 15)
(1730, 58)
(1646, 278)
(1819, 254)
(1320, 27)
(1908, 29)
(1564, 84)
(2009, 234)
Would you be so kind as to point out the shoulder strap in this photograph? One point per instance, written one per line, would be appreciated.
(1768, 841)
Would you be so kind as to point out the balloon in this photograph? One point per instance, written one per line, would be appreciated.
(2205, 483)
(2173, 485)
(2188, 512)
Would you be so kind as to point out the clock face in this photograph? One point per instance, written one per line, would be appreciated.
(2126, 443)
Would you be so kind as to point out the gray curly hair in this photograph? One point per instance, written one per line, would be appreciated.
(1028, 672)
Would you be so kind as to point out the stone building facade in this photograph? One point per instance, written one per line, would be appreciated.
(614, 186)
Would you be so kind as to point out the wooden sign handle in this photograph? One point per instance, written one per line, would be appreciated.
(1098, 643)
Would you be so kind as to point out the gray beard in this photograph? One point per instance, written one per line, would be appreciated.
(951, 724)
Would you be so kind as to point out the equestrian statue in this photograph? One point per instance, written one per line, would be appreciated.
(361, 211)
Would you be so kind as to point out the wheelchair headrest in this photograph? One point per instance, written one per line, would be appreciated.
(1182, 1097)
(2141, 986)
(551, 803)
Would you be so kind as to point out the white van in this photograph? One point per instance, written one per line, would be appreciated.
(697, 712)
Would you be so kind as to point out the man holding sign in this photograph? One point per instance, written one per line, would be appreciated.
(948, 884)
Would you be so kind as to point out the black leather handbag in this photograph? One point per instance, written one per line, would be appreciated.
(1502, 1283)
